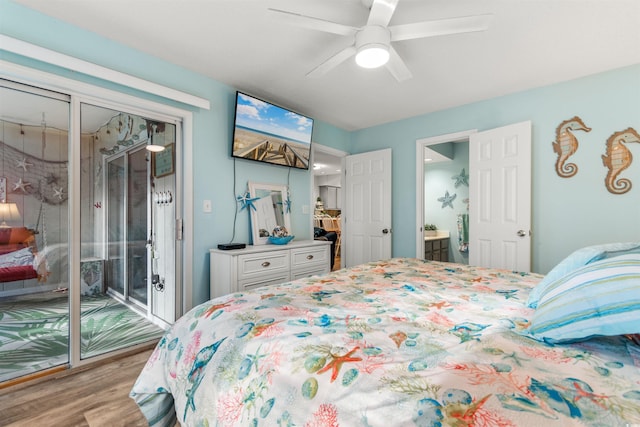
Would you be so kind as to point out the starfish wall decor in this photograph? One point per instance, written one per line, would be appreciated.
(462, 179)
(447, 199)
(246, 201)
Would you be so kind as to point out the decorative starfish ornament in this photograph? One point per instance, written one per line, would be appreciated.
(447, 200)
(23, 164)
(21, 185)
(286, 205)
(463, 178)
(247, 201)
(58, 192)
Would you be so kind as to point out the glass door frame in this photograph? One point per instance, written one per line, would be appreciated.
(81, 92)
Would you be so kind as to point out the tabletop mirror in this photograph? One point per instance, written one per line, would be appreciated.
(269, 202)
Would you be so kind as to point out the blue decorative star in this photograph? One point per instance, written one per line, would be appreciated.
(286, 204)
(447, 200)
(246, 201)
(463, 178)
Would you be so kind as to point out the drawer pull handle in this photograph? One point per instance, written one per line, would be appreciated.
(266, 264)
(309, 256)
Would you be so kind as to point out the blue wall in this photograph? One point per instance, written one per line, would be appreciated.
(566, 213)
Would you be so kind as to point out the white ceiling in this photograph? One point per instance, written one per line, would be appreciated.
(530, 43)
(325, 164)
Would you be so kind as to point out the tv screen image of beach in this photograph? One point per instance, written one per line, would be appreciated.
(267, 133)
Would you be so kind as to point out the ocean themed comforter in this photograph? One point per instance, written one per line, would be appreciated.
(401, 342)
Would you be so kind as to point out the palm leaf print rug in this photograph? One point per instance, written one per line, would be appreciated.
(34, 331)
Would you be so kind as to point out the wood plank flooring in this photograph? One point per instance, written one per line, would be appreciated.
(95, 397)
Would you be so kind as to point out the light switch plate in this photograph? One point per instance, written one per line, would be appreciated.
(206, 206)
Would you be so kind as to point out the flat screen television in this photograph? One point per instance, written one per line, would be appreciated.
(268, 133)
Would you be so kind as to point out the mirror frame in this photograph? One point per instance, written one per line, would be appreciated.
(256, 191)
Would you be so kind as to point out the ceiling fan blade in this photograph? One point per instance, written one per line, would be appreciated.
(381, 12)
(332, 62)
(397, 67)
(313, 23)
(441, 27)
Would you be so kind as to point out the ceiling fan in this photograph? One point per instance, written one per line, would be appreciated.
(372, 42)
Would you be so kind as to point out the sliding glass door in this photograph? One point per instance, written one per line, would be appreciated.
(34, 193)
(73, 290)
(117, 231)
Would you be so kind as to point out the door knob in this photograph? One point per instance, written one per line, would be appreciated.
(385, 231)
(522, 233)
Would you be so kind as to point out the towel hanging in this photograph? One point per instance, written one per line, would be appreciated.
(463, 232)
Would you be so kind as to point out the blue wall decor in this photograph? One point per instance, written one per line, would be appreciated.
(461, 179)
(447, 200)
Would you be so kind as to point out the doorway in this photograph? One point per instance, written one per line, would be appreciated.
(328, 198)
(499, 195)
(446, 202)
(130, 160)
(422, 145)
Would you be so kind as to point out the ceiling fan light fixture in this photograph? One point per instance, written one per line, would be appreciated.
(372, 55)
(372, 44)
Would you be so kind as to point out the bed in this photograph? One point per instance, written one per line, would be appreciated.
(400, 342)
(17, 260)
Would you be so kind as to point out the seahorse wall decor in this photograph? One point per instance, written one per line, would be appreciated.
(618, 158)
(566, 145)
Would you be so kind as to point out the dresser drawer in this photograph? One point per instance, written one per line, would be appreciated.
(263, 281)
(308, 273)
(271, 263)
(303, 258)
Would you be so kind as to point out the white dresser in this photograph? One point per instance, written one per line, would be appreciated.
(242, 269)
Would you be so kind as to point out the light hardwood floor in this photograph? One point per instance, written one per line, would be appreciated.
(95, 397)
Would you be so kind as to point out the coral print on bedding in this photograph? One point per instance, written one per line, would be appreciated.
(401, 342)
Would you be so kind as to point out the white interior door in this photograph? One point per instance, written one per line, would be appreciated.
(500, 197)
(367, 210)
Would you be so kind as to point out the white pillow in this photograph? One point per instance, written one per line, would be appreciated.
(17, 258)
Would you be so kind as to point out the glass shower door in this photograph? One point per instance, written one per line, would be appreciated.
(116, 237)
(136, 241)
(127, 225)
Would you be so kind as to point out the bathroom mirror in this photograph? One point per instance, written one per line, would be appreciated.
(270, 210)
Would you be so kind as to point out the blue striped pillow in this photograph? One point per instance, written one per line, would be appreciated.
(577, 259)
(601, 298)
